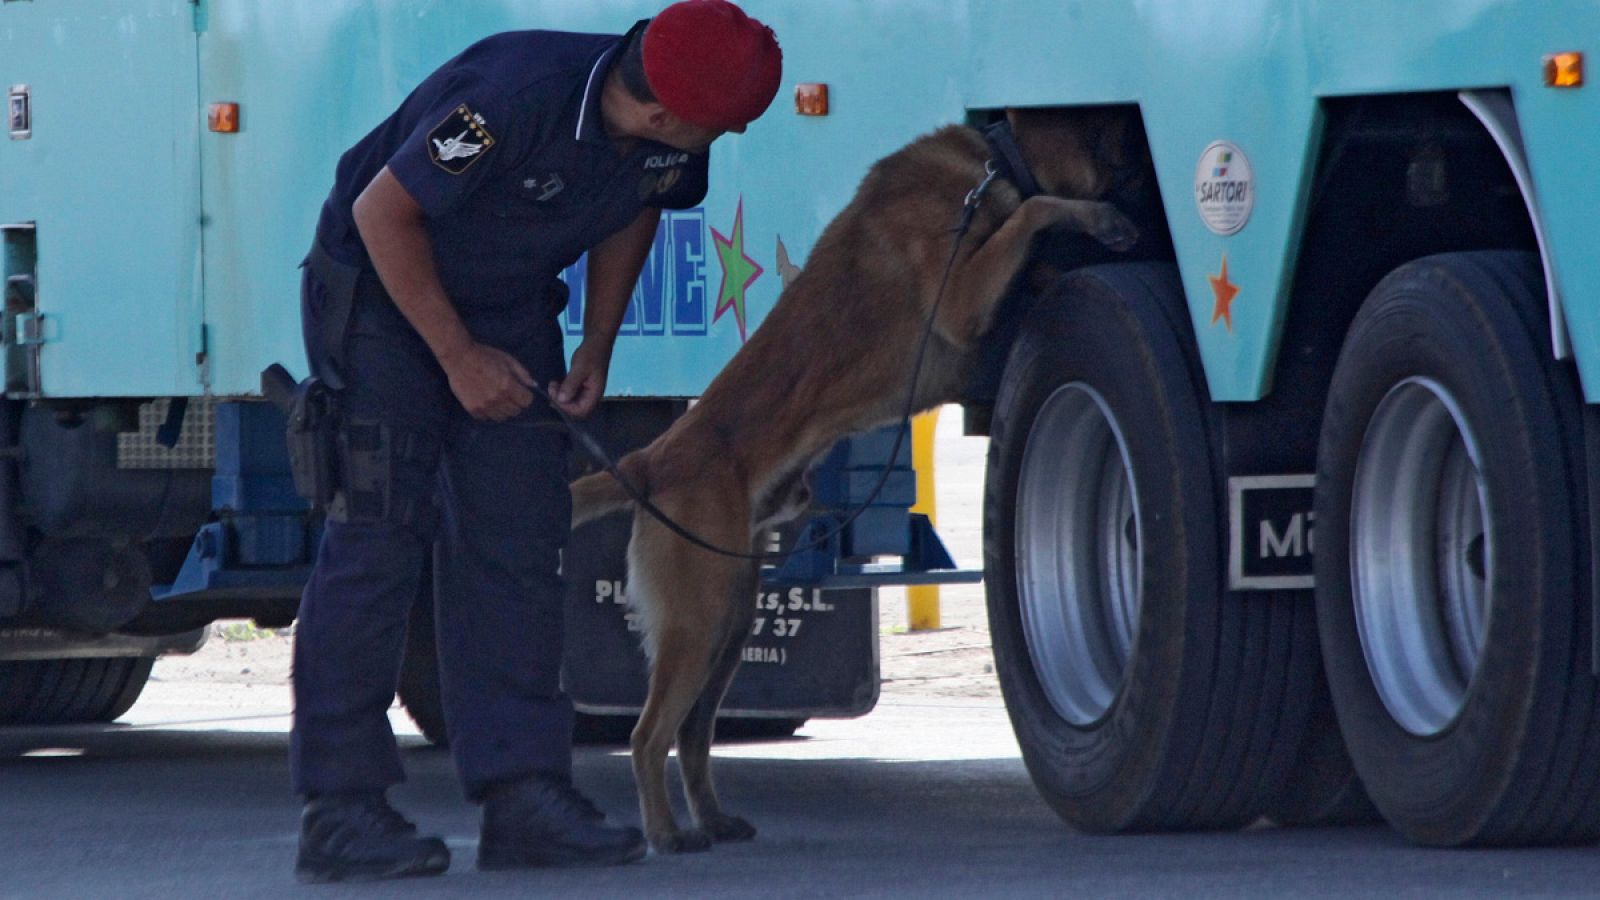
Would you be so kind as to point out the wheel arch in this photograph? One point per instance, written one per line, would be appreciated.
(1496, 112)
(1397, 178)
(1138, 196)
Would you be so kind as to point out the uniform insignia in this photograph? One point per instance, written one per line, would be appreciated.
(459, 141)
(655, 185)
(547, 188)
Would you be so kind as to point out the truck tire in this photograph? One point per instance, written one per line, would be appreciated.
(1144, 696)
(67, 691)
(608, 729)
(751, 728)
(1323, 788)
(1452, 559)
(419, 689)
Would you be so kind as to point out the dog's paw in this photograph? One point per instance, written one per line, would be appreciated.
(728, 829)
(1114, 229)
(688, 840)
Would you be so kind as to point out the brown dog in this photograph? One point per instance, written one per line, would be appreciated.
(849, 323)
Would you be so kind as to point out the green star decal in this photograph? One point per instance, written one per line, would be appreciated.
(739, 271)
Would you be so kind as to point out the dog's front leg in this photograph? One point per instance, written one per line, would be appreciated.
(980, 278)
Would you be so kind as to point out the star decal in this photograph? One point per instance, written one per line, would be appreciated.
(1224, 291)
(739, 271)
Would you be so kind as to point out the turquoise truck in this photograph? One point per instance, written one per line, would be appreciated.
(1289, 513)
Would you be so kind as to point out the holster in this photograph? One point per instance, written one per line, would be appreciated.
(314, 414)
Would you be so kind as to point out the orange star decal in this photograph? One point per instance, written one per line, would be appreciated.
(1225, 291)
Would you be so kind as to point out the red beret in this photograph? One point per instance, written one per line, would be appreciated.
(710, 64)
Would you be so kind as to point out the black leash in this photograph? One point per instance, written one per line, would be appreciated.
(969, 209)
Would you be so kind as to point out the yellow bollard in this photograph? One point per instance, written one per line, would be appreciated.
(922, 600)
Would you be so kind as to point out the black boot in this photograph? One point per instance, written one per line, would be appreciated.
(359, 837)
(544, 821)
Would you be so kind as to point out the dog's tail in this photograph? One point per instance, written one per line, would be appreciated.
(598, 495)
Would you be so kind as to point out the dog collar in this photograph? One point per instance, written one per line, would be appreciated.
(1008, 162)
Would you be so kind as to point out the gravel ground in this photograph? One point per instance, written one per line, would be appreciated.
(952, 661)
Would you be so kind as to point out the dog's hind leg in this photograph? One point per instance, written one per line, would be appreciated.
(980, 278)
(675, 683)
(687, 592)
(696, 733)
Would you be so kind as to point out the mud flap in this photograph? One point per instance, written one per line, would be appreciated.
(812, 652)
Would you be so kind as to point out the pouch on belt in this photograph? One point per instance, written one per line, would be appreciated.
(335, 283)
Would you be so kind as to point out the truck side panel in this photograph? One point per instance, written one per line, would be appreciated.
(1253, 73)
(312, 78)
(111, 176)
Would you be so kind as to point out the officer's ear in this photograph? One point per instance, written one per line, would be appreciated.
(661, 121)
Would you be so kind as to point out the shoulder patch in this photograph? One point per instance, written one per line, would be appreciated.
(459, 141)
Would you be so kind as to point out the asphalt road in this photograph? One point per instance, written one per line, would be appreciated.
(922, 798)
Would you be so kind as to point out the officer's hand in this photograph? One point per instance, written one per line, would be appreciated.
(489, 382)
(585, 383)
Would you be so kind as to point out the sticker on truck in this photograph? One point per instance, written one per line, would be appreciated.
(1270, 540)
(1224, 188)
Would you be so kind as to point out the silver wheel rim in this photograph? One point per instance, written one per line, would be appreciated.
(1420, 555)
(1077, 552)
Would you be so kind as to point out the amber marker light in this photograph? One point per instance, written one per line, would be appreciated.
(811, 99)
(223, 118)
(1563, 70)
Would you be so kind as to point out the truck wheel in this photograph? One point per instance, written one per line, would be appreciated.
(598, 728)
(1143, 696)
(1451, 564)
(731, 728)
(63, 691)
(419, 690)
(1323, 788)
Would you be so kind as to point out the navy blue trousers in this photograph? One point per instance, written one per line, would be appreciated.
(490, 499)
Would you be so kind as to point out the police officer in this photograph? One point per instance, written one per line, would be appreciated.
(430, 300)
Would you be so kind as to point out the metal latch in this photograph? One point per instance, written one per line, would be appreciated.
(19, 262)
(31, 329)
(19, 112)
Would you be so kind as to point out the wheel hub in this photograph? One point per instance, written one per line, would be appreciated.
(1078, 565)
(1421, 555)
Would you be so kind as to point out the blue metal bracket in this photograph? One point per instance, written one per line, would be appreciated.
(261, 544)
(927, 562)
(843, 480)
(212, 570)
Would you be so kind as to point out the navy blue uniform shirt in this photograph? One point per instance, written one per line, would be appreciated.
(505, 150)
